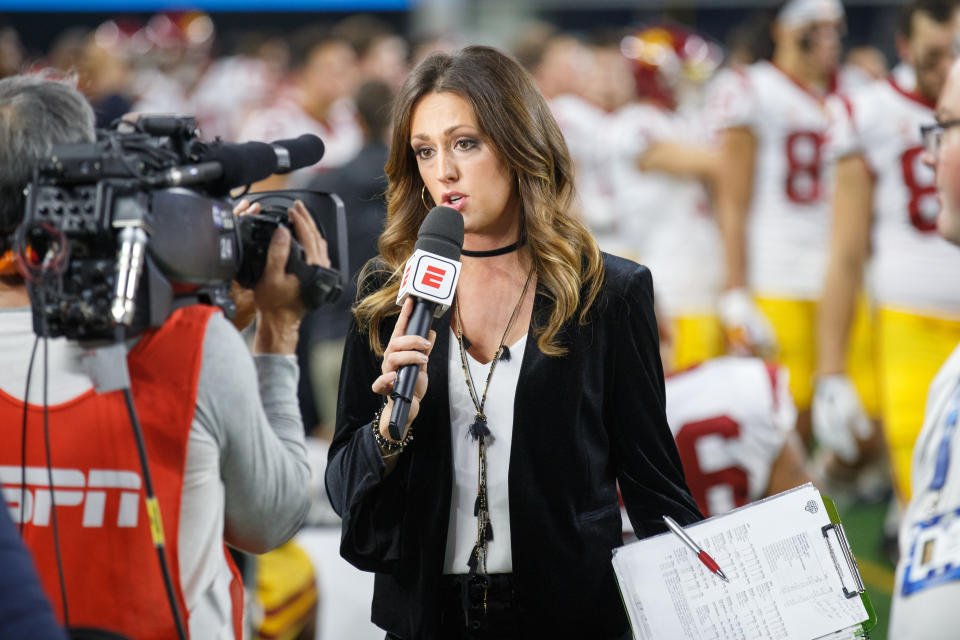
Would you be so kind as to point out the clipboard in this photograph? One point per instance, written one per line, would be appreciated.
(792, 576)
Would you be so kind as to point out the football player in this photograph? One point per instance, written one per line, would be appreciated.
(773, 208)
(661, 161)
(885, 200)
(734, 424)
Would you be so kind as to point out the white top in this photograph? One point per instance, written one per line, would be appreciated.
(788, 225)
(462, 531)
(246, 477)
(927, 585)
(666, 221)
(911, 262)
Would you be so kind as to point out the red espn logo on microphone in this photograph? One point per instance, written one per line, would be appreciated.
(434, 277)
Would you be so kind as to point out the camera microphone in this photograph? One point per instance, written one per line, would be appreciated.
(224, 166)
(240, 164)
(297, 153)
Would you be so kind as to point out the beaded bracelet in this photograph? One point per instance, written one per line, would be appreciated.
(391, 446)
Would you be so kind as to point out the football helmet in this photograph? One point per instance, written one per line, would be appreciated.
(665, 57)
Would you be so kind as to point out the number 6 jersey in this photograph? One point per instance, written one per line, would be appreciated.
(912, 264)
(787, 229)
(730, 418)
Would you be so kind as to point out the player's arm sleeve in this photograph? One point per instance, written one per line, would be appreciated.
(731, 102)
(645, 455)
(249, 406)
(843, 137)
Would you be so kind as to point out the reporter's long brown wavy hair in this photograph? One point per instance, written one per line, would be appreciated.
(514, 117)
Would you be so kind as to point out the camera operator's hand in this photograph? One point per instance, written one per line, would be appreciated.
(277, 295)
(308, 235)
(243, 297)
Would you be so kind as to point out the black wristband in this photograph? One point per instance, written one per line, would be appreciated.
(392, 446)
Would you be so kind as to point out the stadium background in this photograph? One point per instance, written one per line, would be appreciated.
(496, 22)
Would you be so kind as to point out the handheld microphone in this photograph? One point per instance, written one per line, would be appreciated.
(430, 276)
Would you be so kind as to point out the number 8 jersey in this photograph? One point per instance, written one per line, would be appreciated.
(787, 229)
(911, 262)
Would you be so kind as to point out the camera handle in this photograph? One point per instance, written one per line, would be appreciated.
(130, 257)
(318, 285)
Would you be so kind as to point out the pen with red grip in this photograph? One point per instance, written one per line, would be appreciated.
(704, 557)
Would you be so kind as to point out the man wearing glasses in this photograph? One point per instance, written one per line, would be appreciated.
(885, 201)
(927, 586)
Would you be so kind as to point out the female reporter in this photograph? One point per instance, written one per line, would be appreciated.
(545, 383)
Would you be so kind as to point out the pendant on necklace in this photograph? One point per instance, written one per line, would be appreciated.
(479, 427)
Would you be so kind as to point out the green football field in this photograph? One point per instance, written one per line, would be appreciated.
(863, 524)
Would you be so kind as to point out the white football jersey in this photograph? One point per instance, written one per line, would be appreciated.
(582, 125)
(341, 133)
(730, 418)
(912, 265)
(927, 586)
(788, 226)
(666, 221)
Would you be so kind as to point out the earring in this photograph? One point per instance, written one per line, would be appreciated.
(423, 197)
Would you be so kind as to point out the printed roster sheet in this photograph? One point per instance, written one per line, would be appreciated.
(786, 579)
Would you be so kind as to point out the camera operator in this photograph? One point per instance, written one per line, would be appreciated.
(223, 430)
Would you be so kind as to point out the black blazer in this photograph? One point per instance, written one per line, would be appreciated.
(582, 422)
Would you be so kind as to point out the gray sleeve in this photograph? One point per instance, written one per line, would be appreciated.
(249, 406)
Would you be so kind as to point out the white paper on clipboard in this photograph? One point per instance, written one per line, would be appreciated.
(787, 582)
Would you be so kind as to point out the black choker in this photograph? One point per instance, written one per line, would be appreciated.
(492, 252)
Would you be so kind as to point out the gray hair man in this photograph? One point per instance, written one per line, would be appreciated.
(36, 112)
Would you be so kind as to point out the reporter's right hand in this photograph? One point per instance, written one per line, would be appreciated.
(839, 419)
(747, 330)
(402, 350)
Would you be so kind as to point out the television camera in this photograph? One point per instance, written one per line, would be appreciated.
(119, 232)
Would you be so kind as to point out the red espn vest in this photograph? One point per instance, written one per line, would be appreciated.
(112, 574)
